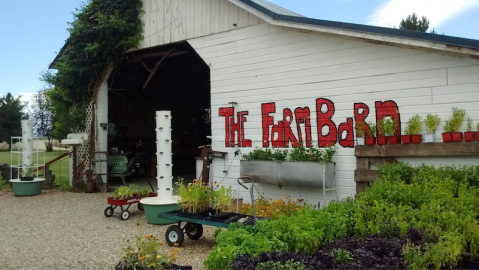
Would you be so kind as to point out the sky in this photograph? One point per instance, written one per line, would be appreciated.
(33, 31)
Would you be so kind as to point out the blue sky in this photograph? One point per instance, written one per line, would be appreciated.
(32, 31)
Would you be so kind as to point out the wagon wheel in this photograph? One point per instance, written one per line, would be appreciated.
(125, 214)
(174, 234)
(194, 231)
(109, 211)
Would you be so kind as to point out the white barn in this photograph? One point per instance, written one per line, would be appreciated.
(268, 74)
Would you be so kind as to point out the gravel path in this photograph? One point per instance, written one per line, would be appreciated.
(62, 230)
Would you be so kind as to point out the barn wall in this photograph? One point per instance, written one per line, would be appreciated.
(169, 21)
(264, 64)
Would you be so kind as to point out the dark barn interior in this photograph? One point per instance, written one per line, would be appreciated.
(172, 78)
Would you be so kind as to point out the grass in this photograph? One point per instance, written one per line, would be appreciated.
(61, 169)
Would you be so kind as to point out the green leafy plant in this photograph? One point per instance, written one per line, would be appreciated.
(477, 128)
(145, 254)
(372, 129)
(386, 126)
(361, 129)
(432, 122)
(342, 256)
(454, 123)
(221, 198)
(414, 125)
(125, 192)
(288, 265)
(389, 229)
(28, 171)
(194, 197)
(143, 191)
(469, 124)
(266, 154)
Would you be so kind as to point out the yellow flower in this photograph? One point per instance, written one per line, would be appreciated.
(172, 253)
(141, 258)
(159, 256)
(161, 243)
(176, 244)
(174, 257)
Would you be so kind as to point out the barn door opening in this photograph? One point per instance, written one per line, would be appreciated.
(173, 78)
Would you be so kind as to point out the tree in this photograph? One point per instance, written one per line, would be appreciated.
(413, 23)
(11, 113)
(42, 118)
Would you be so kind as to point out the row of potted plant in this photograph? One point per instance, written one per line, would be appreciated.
(131, 191)
(386, 129)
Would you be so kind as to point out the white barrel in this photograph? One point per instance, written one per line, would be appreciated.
(164, 155)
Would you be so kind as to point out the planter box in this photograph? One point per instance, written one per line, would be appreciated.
(382, 140)
(370, 140)
(289, 173)
(429, 138)
(469, 136)
(416, 138)
(134, 199)
(360, 140)
(406, 139)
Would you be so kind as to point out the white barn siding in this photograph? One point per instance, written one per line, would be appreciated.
(169, 21)
(264, 63)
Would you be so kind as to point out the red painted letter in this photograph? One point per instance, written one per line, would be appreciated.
(348, 127)
(227, 113)
(277, 129)
(288, 133)
(244, 142)
(266, 109)
(302, 116)
(389, 108)
(324, 119)
(361, 117)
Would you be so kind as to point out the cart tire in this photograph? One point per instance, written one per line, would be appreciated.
(140, 207)
(125, 214)
(194, 231)
(174, 234)
(109, 211)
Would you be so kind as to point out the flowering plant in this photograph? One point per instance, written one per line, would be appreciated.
(145, 254)
(194, 197)
(273, 208)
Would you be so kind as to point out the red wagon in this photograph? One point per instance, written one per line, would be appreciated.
(125, 214)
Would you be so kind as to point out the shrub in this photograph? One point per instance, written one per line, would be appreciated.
(432, 122)
(342, 256)
(414, 125)
(454, 123)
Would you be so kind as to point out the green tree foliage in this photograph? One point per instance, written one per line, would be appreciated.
(101, 32)
(41, 117)
(413, 23)
(11, 113)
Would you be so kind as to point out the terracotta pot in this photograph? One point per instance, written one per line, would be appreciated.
(382, 140)
(446, 136)
(406, 139)
(417, 138)
(393, 139)
(360, 140)
(469, 136)
(370, 140)
(456, 136)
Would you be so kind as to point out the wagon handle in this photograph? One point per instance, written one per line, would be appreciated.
(241, 177)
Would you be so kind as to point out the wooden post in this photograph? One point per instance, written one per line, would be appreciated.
(205, 174)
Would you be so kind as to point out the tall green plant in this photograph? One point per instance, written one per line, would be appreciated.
(432, 122)
(386, 126)
(372, 129)
(101, 32)
(454, 123)
(361, 128)
(414, 125)
(469, 124)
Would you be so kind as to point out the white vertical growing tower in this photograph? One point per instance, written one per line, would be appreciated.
(165, 201)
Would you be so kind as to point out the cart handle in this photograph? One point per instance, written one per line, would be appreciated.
(247, 177)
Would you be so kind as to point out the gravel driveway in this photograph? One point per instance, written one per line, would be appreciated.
(63, 230)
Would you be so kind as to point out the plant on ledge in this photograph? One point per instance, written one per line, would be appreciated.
(300, 153)
(469, 134)
(431, 122)
(453, 124)
(371, 139)
(412, 130)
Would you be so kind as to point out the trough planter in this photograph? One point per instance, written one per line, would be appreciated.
(289, 173)
(406, 139)
(27, 188)
(417, 138)
(370, 140)
(469, 136)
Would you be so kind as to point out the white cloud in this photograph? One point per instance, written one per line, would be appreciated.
(437, 11)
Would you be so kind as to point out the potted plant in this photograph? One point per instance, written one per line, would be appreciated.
(388, 127)
(381, 136)
(453, 124)
(469, 134)
(477, 132)
(28, 174)
(412, 130)
(360, 132)
(370, 139)
(145, 254)
(194, 198)
(431, 122)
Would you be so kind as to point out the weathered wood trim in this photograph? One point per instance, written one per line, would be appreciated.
(382, 160)
(419, 150)
(365, 176)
